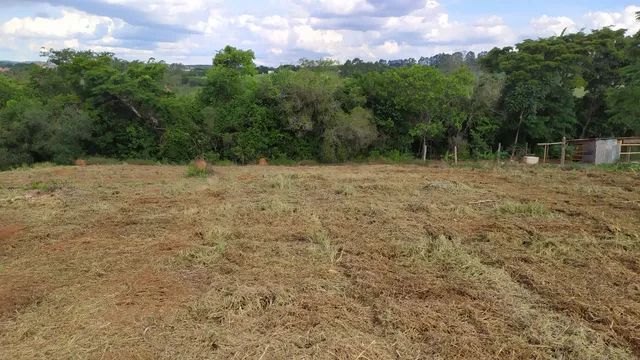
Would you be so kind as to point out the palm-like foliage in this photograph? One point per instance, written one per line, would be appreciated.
(638, 15)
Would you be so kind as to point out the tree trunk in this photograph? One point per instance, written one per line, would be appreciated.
(515, 143)
(586, 125)
(424, 148)
(130, 105)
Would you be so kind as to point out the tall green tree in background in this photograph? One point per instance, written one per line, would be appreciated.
(623, 106)
(604, 54)
(417, 104)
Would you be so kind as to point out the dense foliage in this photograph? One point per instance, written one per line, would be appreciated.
(83, 103)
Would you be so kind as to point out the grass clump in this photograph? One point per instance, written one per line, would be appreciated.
(45, 187)
(194, 171)
(214, 244)
(633, 167)
(528, 209)
(346, 190)
(448, 186)
(283, 181)
(325, 247)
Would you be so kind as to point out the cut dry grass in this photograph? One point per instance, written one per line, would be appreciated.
(523, 209)
(344, 262)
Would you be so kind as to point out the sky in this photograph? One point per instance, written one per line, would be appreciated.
(284, 31)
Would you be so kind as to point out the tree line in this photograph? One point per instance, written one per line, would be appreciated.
(85, 103)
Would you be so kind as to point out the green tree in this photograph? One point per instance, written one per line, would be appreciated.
(623, 102)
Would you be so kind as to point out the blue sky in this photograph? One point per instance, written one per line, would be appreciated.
(283, 31)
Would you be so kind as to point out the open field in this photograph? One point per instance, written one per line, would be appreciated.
(331, 262)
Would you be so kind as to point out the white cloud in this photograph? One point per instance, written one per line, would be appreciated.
(169, 11)
(389, 47)
(214, 22)
(71, 23)
(340, 7)
(317, 40)
(281, 31)
(617, 20)
(552, 26)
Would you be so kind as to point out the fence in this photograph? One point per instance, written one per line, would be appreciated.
(627, 151)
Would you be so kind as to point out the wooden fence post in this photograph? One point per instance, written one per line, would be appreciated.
(498, 153)
(563, 153)
(455, 154)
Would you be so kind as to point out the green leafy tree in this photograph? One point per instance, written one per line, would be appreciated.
(624, 104)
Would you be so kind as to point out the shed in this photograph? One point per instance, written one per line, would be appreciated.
(596, 151)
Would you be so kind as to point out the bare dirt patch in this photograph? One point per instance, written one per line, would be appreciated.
(8, 231)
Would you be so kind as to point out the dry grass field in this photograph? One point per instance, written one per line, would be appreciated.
(327, 262)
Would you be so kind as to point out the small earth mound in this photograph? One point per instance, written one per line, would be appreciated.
(263, 162)
(200, 164)
(80, 162)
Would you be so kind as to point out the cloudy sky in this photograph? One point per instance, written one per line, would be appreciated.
(283, 31)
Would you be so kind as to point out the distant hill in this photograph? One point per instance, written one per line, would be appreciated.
(10, 64)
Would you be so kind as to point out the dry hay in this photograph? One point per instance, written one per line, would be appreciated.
(80, 162)
(344, 262)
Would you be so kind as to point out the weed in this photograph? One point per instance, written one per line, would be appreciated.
(528, 209)
(217, 238)
(346, 190)
(201, 255)
(43, 165)
(45, 187)
(325, 247)
(283, 181)
(193, 171)
(633, 167)
(276, 206)
(448, 186)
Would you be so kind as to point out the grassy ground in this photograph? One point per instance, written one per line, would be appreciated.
(344, 262)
